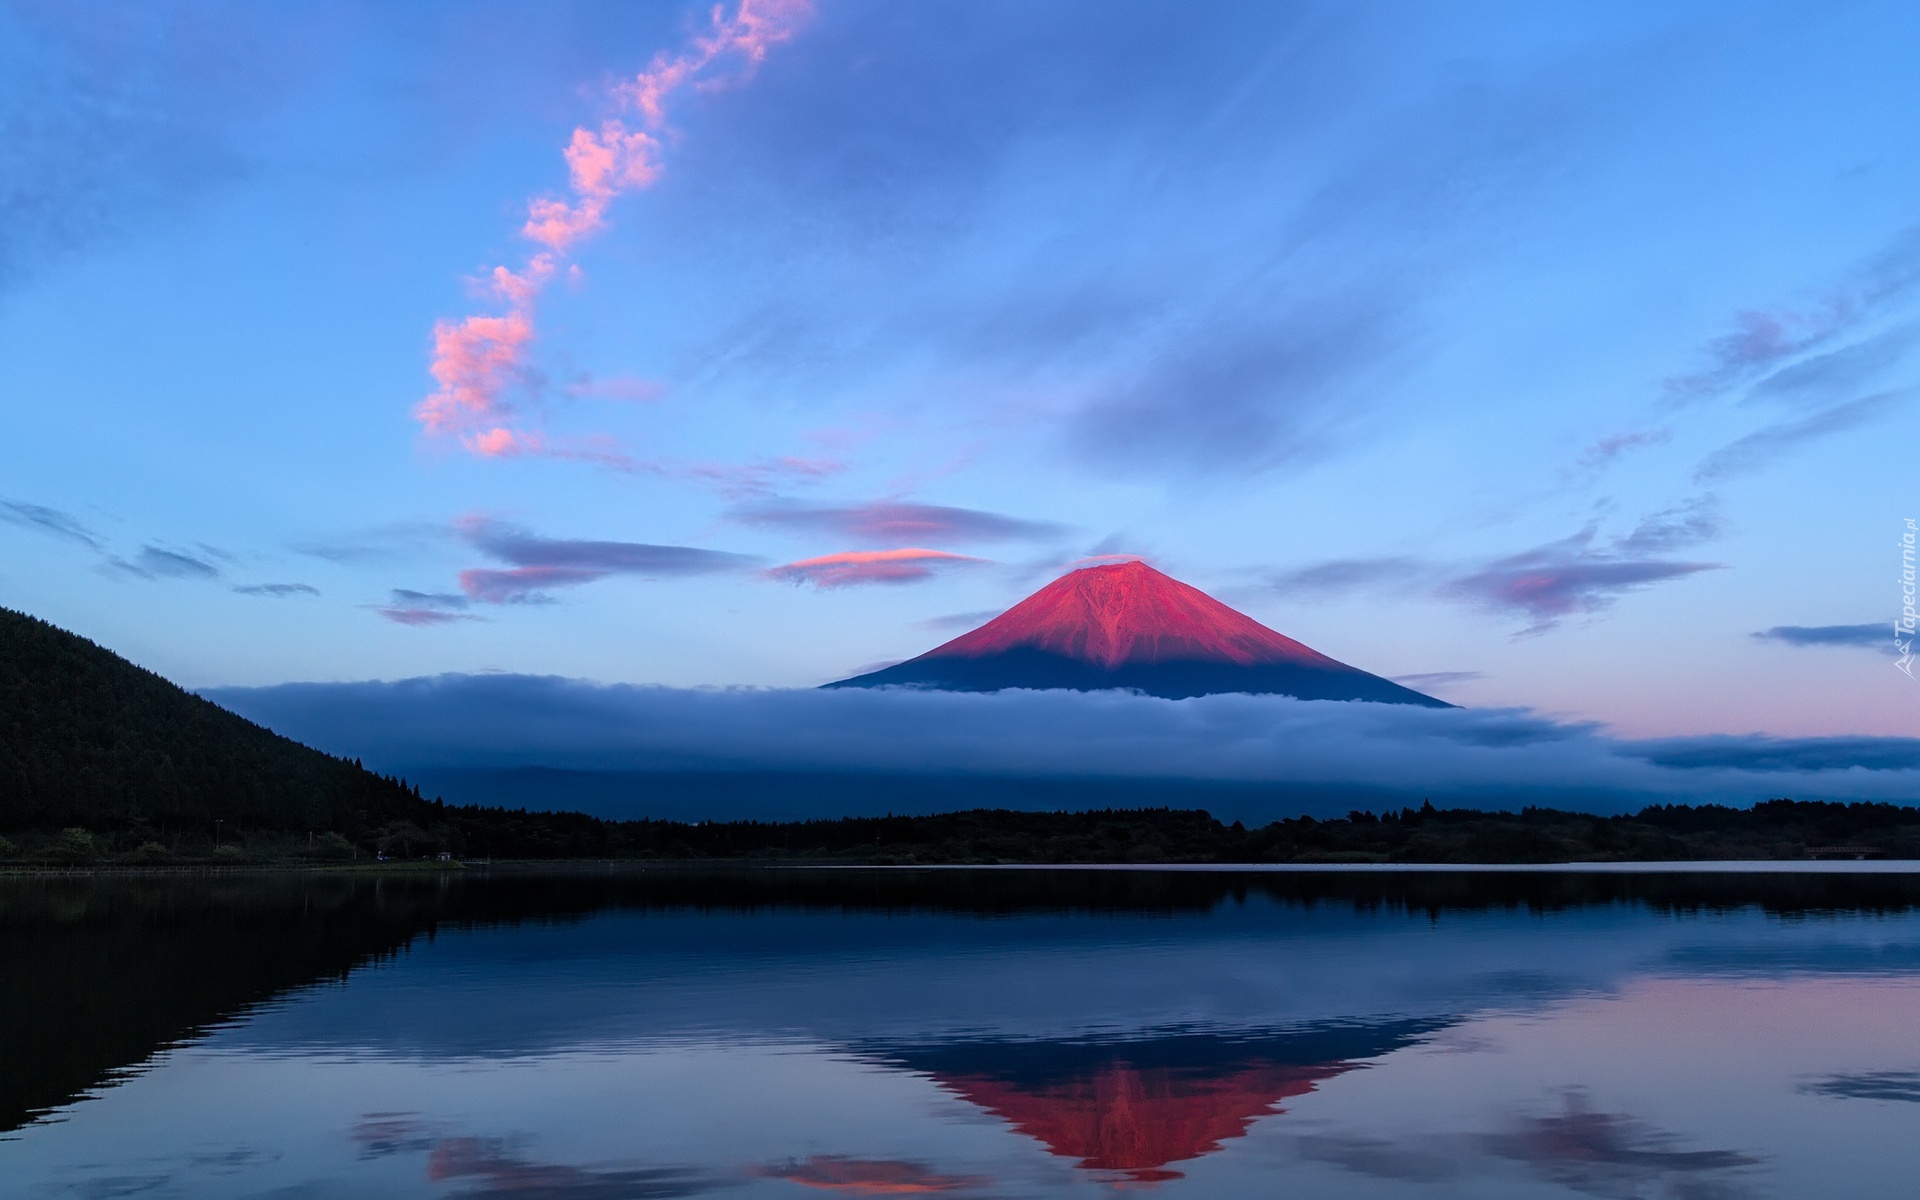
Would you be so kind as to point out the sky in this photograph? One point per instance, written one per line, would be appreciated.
(1557, 360)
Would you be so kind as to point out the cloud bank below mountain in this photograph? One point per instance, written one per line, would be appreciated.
(1253, 758)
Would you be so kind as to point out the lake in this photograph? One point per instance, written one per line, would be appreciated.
(604, 1034)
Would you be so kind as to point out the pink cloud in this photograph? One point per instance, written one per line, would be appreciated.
(479, 361)
(853, 568)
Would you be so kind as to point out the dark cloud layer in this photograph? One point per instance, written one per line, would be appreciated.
(1391, 752)
(1754, 752)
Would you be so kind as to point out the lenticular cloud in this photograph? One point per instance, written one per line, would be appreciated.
(479, 359)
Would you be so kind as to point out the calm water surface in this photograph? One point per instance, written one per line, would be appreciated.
(593, 1037)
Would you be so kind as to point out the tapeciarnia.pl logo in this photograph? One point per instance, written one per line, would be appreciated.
(1903, 627)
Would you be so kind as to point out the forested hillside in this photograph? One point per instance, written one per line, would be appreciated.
(89, 740)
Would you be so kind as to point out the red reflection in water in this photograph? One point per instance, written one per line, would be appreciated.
(871, 1176)
(1136, 1120)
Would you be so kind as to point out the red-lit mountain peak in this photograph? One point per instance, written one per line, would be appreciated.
(1129, 613)
(1127, 626)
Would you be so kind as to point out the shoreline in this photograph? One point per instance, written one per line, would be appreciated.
(538, 867)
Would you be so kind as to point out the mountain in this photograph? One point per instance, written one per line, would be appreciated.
(1126, 625)
(89, 740)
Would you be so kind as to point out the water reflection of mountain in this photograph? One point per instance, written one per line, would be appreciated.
(1134, 1108)
(99, 974)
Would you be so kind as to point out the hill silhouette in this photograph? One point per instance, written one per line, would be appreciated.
(89, 740)
(1126, 625)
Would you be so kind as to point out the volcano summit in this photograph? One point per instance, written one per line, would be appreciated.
(1126, 625)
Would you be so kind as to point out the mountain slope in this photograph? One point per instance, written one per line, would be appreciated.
(88, 739)
(1126, 625)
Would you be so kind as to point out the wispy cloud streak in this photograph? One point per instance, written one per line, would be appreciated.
(852, 568)
(1878, 636)
(1764, 446)
(481, 359)
(888, 522)
(536, 564)
(1567, 577)
(408, 607)
(49, 521)
(1765, 340)
(155, 563)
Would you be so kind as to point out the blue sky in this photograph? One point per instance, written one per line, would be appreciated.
(1545, 354)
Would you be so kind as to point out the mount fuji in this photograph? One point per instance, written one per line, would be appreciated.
(1126, 625)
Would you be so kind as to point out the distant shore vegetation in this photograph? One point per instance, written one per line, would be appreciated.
(1777, 830)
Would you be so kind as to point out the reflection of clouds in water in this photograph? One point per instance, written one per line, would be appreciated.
(222, 1161)
(1867, 1085)
(1456, 1041)
(1411, 1160)
(382, 1133)
(1597, 1153)
(111, 1187)
(503, 1174)
(167, 1182)
(1612, 1154)
(872, 1176)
